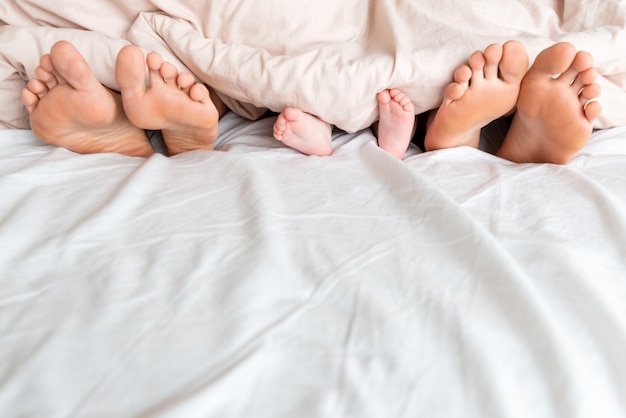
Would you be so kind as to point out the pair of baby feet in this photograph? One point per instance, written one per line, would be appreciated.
(312, 136)
(553, 103)
(70, 108)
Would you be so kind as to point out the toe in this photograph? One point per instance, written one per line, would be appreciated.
(168, 72)
(46, 72)
(477, 65)
(29, 99)
(591, 91)
(452, 92)
(384, 97)
(185, 81)
(580, 63)
(71, 67)
(46, 63)
(592, 110)
(38, 88)
(198, 92)
(492, 56)
(292, 114)
(554, 60)
(402, 100)
(46, 77)
(514, 62)
(130, 71)
(462, 75)
(279, 127)
(397, 96)
(154, 61)
(585, 78)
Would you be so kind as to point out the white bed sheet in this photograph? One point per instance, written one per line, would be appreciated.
(258, 282)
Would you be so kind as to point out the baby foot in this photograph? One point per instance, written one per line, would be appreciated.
(173, 103)
(303, 132)
(69, 108)
(396, 122)
(481, 92)
(556, 108)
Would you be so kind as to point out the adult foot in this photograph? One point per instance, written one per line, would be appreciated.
(481, 92)
(303, 132)
(396, 122)
(173, 103)
(555, 109)
(69, 108)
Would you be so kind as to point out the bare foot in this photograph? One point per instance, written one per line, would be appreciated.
(304, 132)
(173, 103)
(555, 110)
(70, 108)
(396, 122)
(481, 92)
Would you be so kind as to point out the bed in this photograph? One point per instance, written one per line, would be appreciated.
(254, 281)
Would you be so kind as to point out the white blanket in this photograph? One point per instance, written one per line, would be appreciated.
(327, 57)
(262, 283)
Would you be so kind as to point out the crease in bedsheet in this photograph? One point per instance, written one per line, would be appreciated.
(434, 198)
(343, 382)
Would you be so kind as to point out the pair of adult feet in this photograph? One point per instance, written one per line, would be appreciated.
(70, 108)
(553, 103)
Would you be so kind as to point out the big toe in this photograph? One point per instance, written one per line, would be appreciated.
(130, 71)
(514, 62)
(71, 66)
(554, 60)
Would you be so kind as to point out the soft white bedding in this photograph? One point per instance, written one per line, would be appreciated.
(259, 282)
